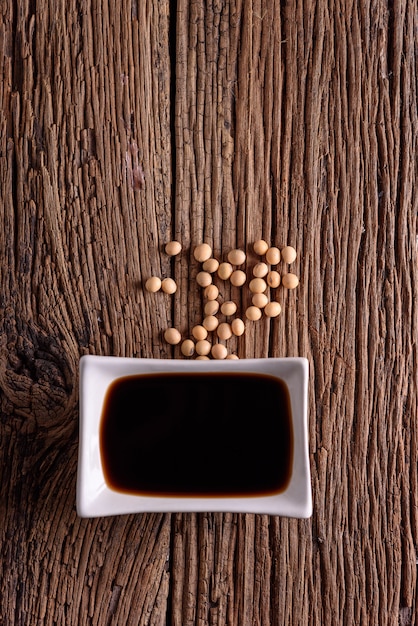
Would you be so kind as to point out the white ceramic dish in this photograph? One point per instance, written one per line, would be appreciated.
(96, 499)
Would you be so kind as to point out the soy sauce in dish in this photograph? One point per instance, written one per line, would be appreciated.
(206, 434)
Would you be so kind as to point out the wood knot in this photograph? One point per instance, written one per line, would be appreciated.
(36, 376)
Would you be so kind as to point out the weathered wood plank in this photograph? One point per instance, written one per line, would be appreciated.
(324, 139)
(85, 192)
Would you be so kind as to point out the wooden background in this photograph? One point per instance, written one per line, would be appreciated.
(126, 124)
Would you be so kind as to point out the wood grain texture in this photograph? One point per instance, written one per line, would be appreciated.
(122, 127)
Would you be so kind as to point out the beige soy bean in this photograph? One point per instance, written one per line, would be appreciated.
(224, 331)
(219, 351)
(203, 347)
(203, 279)
(199, 332)
(187, 347)
(211, 307)
(272, 309)
(172, 336)
(225, 270)
(273, 256)
(172, 248)
(253, 313)
(289, 254)
(260, 247)
(260, 300)
(228, 308)
(153, 284)
(202, 357)
(168, 285)
(211, 292)
(290, 281)
(211, 265)
(232, 356)
(210, 323)
(257, 285)
(273, 279)
(238, 327)
(260, 270)
(202, 252)
(238, 278)
(236, 257)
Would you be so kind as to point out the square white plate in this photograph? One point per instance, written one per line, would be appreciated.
(96, 499)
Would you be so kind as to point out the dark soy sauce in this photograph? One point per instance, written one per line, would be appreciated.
(197, 434)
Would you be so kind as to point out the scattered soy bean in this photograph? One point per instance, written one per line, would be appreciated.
(273, 256)
(273, 279)
(224, 331)
(202, 252)
(210, 323)
(260, 270)
(260, 300)
(211, 265)
(253, 313)
(172, 248)
(236, 257)
(272, 309)
(172, 336)
(211, 307)
(211, 292)
(168, 285)
(225, 270)
(202, 357)
(228, 308)
(199, 332)
(260, 247)
(288, 254)
(263, 277)
(187, 347)
(238, 278)
(219, 351)
(203, 347)
(203, 279)
(153, 284)
(238, 327)
(290, 281)
(257, 285)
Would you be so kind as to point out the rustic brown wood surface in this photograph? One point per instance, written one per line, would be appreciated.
(124, 125)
